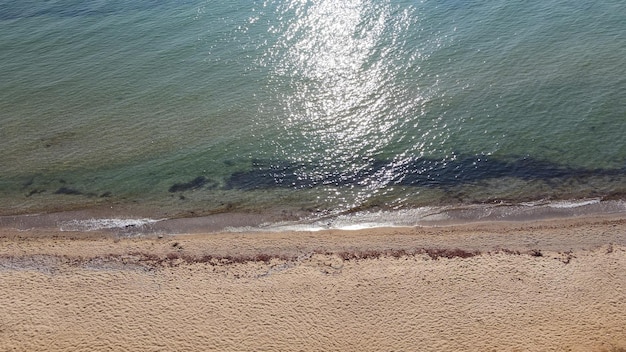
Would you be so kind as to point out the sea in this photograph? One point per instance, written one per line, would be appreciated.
(207, 115)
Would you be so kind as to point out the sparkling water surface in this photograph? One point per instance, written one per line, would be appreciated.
(170, 109)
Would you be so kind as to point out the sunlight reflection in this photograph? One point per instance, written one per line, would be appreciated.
(338, 85)
(341, 67)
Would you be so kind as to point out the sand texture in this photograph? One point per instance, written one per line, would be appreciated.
(555, 285)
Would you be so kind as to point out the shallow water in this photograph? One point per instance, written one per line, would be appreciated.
(294, 108)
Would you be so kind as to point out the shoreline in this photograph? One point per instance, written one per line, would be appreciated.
(558, 237)
(115, 221)
(544, 285)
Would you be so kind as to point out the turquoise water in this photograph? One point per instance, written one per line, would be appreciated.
(299, 107)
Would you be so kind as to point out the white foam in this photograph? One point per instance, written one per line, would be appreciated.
(573, 204)
(562, 204)
(435, 216)
(362, 226)
(102, 224)
(355, 221)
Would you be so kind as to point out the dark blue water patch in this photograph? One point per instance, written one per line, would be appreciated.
(419, 172)
(71, 192)
(68, 191)
(37, 184)
(196, 183)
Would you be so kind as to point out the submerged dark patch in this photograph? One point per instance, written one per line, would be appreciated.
(193, 184)
(420, 172)
(68, 191)
(29, 182)
(35, 191)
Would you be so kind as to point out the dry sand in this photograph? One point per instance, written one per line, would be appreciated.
(556, 285)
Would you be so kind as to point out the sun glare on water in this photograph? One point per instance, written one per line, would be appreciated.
(342, 101)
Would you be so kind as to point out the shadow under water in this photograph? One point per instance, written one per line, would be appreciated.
(420, 172)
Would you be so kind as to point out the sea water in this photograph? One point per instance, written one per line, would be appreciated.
(302, 108)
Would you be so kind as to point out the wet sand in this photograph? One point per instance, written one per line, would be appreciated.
(552, 285)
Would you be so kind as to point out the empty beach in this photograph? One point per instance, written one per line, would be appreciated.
(552, 285)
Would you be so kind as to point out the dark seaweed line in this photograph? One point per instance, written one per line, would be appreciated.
(174, 258)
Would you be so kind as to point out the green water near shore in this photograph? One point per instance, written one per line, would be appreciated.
(309, 107)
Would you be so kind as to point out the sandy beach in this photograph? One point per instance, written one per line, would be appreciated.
(551, 285)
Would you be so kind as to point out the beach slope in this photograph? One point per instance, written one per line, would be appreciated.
(556, 285)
